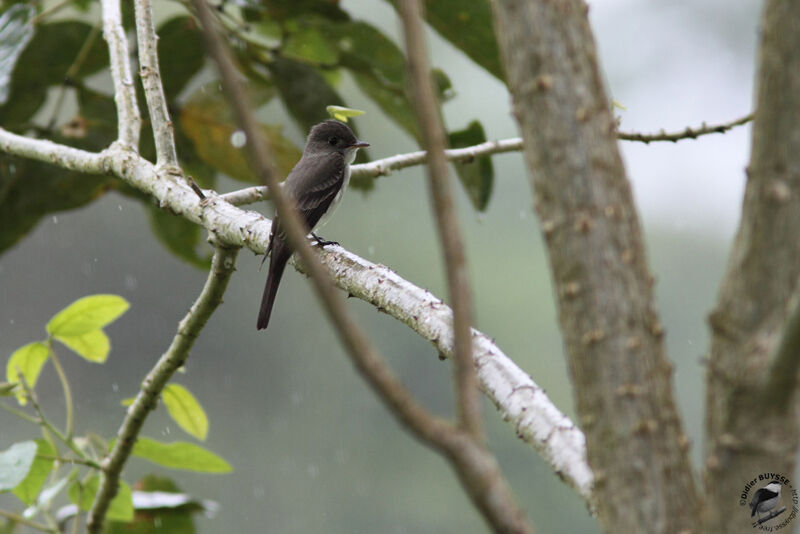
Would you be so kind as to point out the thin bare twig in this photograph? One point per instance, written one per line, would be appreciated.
(686, 133)
(129, 122)
(222, 266)
(385, 166)
(427, 110)
(27, 522)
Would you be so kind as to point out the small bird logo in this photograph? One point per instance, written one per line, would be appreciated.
(765, 499)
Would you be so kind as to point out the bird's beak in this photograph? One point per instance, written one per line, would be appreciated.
(359, 144)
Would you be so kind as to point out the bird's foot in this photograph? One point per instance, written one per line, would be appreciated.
(318, 241)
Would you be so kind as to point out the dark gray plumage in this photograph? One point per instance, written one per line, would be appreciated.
(316, 184)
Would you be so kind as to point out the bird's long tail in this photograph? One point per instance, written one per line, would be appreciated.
(277, 263)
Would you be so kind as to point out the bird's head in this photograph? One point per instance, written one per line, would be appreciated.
(333, 136)
(774, 487)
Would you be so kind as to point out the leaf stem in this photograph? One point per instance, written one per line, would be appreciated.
(62, 377)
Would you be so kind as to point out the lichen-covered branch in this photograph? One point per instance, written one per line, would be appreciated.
(129, 122)
(521, 401)
(613, 337)
(150, 74)
(749, 433)
(222, 266)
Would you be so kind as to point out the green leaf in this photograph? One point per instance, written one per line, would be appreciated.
(30, 189)
(15, 32)
(121, 507)
(183, 238)
(207, 121)
(477, 176)
(8, 388)
(93, 345)
(52, 51)
(185, 410)
(15, 463)
(181, 54)
(304, 91)
(29, 360)
(342, 114)
(28, 489)
(364, 46)
(86, 314)
(180, 455)
(392, 100)
(47, 495)
(307, 43)
(469, 26)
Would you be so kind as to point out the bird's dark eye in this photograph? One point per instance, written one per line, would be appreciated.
(333, 141)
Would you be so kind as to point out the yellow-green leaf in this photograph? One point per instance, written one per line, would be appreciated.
(128, 401)
(7, 388)
(29, 361)
(15, 463)
(92, 345)
(342, 114)
(28, 489)
(180, 455)
(121, 507)
(184, 408)
(86, 314)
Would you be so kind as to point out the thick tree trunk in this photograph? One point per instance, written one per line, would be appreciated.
(750, 433)
(613, 337)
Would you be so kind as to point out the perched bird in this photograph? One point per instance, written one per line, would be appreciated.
(765, 499)
(316, 184)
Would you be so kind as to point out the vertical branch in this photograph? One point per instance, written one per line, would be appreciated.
(475, 466)
(166, 156)
(612, 333)
(427, 111)
(128, 120)
(753, 410)
(222, 266)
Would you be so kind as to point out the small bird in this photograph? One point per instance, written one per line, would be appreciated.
(316, 184)
(765, 499)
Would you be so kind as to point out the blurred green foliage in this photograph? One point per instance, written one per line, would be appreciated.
(294, 50)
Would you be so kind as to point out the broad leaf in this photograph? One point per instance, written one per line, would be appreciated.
(468, 25)
(121, 507)
(28, 490)
(180, 455)
(93, 345)
(29, 361)
(304, 91)
(185, 410)
(52, 51)
(307, 42)
(181, 54)
(15, 32)
(86, 314)
(207, 121)
(15, 463)
(476, 176)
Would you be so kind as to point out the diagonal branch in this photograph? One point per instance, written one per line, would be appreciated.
(523, 404)
(427, 110)
(128, 120)
(222, 266)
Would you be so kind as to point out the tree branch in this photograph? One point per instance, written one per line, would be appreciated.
(522, 402)
(129, 123)
(150, 75)
(612, 334)
(222, 266)
(385, 166)
(686, 133)
(754, 327)
(426, 109)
